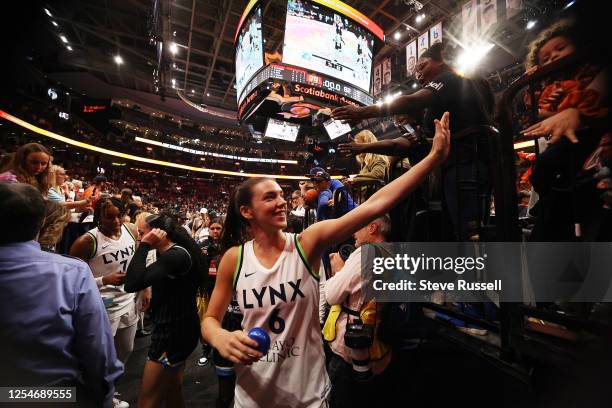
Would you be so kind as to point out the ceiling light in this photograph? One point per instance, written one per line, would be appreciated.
(470, 57)
(193, 91)
(531, 24)
(69, 48)
(54, 23)
(570, 4)
(64, 39)
(174, 65)
(414, 86)
(397, 35)
(207, 94)
(48, 12)
(173, 81)
(173, 48)
(118, 59)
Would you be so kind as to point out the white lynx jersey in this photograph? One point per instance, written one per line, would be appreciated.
(284, 301)
(110, 256)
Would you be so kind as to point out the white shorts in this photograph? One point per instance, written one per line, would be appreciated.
(127, 319)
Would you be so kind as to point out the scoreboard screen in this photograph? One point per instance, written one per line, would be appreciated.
(319, 39)
(249, 50)
(279, 129)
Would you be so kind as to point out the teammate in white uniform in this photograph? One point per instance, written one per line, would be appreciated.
(108, 249)
(275, 282)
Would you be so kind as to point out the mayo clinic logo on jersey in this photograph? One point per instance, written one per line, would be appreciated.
(288, 290)
(435, 85)
(281, 350)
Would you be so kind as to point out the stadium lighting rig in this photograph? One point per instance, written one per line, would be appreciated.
(471, 56)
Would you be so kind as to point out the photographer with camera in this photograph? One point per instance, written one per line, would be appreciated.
(350, 339)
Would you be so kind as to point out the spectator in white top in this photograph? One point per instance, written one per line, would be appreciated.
(344, 288)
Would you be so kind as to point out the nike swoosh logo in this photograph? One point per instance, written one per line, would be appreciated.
(247, 275)
(105, 245)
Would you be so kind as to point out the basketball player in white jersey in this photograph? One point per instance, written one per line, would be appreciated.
(274, 278)
(108, 249)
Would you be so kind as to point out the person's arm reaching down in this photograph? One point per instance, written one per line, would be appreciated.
(235, 346)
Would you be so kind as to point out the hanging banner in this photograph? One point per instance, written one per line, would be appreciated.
(411, 58)
(386, 71)
(513, 7)
(488, 14)
(435, 33)
(423, 42)
(470, 21)
(377, 80)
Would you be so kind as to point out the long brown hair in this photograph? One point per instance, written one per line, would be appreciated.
(56, 217)
(236, 227)
(18, 167)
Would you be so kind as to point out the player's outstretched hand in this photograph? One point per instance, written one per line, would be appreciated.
(441, 141)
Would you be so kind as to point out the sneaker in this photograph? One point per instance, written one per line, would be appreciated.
(117, 403)
(143, 333)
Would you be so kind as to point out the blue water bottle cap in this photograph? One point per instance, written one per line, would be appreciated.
(261, 337)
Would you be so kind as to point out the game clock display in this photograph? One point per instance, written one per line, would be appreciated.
(302, 76)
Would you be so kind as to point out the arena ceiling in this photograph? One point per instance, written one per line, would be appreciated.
(87, 35)
(203, 65)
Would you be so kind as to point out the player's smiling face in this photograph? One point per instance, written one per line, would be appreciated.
(268, 206)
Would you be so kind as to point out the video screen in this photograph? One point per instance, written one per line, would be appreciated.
(335, 128)
(249, 50)
(316, 38)
(279, 129)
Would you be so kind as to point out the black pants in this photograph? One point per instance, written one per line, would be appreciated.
(466, 193)
(346, 392)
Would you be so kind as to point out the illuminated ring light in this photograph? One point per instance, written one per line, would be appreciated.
(88, 146)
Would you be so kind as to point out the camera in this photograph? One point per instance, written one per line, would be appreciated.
(358, 335)
(345, 250)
